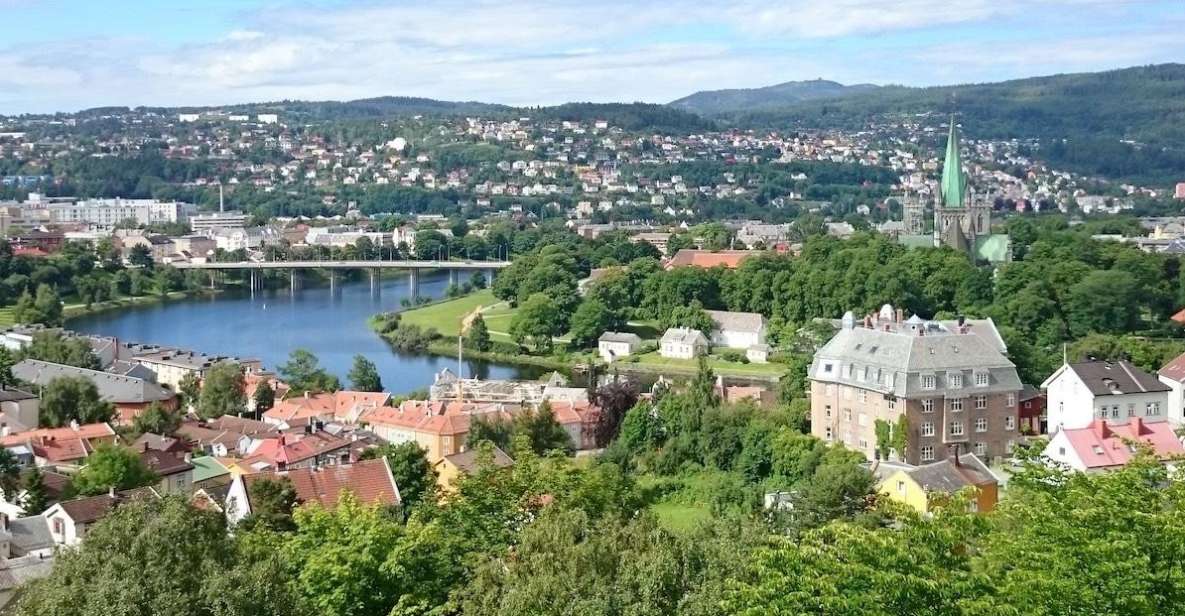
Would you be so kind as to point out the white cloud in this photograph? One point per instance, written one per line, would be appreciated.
(544, 52)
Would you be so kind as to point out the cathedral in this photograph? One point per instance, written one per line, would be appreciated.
(961, 220)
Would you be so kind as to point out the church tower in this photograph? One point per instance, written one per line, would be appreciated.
(959, 218)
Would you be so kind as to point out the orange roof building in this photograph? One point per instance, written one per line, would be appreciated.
(369, 481)
(730, 259)
(343, 406)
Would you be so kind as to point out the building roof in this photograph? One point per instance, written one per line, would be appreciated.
(113, 388)
(29, 534)
(468, 461)
(1179, 317)
(683, 335)
(950, 476)
(954, 183)
(207, 467)
(148, 440)
(1105, 378)
(370, 481)
(747, 322)
(287, 449)
(623, 337)
(1102, 445)
(164, 463)
(730, 259)
(8, 394)
(88, 509)
(1175, 369)
(343, 405)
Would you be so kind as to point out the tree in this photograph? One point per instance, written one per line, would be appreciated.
(10, 475)
(206, 573)
(591, 319)
(44, 308)
(364, 376)
(36, 499)
(690, 316)
(541, 431)
(191, 388)
(72, 398)
(614, 400)
(477, 337)
(410, 468)
(339, 559)
(112, 466)
(264, 398)
(140, 256)
(303, 372)
(157, 419)
(492, 430)
(272, 502)
(7, 380)
(537, 321)
(223, 391)
(69, 350)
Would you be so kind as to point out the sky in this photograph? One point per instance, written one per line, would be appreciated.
(66, 55)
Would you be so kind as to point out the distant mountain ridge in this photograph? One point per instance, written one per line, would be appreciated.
(713, 102)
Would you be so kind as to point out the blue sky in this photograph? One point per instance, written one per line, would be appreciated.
(64, 55)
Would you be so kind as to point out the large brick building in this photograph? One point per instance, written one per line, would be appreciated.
(950, 379)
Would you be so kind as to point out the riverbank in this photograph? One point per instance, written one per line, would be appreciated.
(448, 316)
(71, 311)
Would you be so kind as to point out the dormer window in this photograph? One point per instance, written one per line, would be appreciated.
(928, 381)
(981, 379)
(954, 380)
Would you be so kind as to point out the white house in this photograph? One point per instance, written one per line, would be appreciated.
(612, 345)
(1103, 446)
(682, 343)
(737, 330)
(1173, 375)
(1078, 393)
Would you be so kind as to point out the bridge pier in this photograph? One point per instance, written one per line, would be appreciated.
(292, 281)
(375, 274)
(413, 283)
(332, 281)
(213, 273)
(489, 274)
(452, 278)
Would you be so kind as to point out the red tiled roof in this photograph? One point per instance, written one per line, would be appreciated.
(1179, 317)
(1100, 445)
(370, 481)
(84, 431)
(343, 405)
(730, 259)
(293, 448)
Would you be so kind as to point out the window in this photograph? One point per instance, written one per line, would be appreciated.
(981, 424)
(901, 487)
(892, 403)
(928, 405)
(1115, 411)
(956, 428)
(1131, 409)
(828, 433)
(58, 527)
(827, 368)
(927, 381)
(1152, 409)
(955, 404)
(829, 389)
(1103, 412)
(827, 411)
(981, 379)
(955, 381)
(1010, 422)
(981, 402)
(927, 453)
(862, 419)
(863, 396)
(928, 428)
(1008, 447)
(981, 449)
(1011, 400)
(847, 414)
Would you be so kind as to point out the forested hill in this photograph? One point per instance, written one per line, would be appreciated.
(715, 102)
(365, 108)
(1083, 119)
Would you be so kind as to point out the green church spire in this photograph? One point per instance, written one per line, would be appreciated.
(954, 183)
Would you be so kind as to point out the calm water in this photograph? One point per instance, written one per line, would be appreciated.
(271, 324)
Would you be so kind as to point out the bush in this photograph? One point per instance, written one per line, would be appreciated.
(411, 337)
(732, 355)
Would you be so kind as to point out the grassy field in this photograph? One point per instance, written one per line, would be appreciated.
(680, 517)
(6, 316)
(445, 317)
(690, 366)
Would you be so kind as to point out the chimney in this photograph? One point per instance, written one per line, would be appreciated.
(900, 315)
(306, 395)
(145, 446)
(4, 522)
(1100, 428)
(1137, 425)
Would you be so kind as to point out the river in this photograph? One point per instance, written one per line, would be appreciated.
(270, 324)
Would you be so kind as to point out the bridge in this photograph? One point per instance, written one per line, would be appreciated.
(413, 267)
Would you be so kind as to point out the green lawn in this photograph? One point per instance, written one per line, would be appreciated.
(718, 365)
(679, 517)
(6, 316)
(445, 317)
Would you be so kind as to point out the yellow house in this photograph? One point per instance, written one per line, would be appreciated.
(449, 468)
(924, 487)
